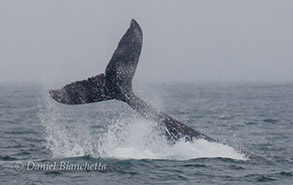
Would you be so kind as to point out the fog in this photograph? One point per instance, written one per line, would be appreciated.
(186, 41)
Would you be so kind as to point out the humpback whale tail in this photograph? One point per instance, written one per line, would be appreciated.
(116, 83)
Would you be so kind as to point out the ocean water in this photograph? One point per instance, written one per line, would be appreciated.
(44, 142)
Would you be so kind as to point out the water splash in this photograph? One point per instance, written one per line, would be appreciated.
(71, 132)
(66, 137)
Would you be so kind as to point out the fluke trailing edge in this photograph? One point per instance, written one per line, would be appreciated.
(116, 84)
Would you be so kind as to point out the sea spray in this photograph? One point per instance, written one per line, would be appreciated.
(116, 132)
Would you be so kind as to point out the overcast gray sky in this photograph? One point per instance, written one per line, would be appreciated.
(190, 40)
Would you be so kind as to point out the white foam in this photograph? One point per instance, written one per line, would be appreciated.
(140, 140)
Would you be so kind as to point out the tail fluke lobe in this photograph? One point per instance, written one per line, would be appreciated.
(121, 68)
(81, 92)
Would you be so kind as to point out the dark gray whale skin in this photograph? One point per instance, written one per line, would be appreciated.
(116, 84)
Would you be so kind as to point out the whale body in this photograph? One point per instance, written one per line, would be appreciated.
(116, 84)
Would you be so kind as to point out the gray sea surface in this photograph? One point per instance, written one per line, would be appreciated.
(44, 142)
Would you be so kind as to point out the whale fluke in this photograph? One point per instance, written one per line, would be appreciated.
(116, 83)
